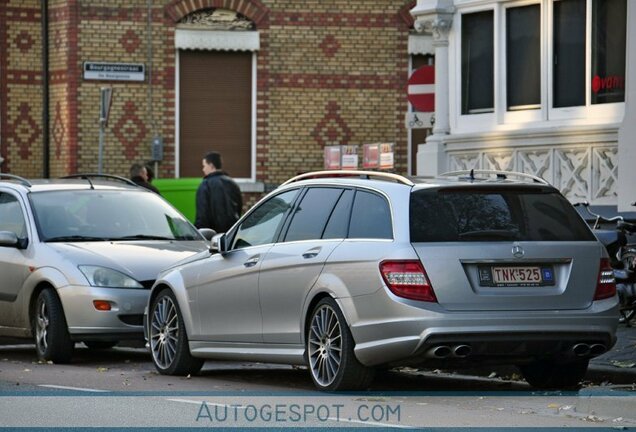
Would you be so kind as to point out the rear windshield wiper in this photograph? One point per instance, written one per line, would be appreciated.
(142, 237)
(75, 238)
(490, 234)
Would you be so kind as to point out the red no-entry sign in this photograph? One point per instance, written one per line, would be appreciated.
(421, 89)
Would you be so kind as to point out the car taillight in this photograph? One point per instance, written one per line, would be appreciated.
(407, 279)
(606, 286)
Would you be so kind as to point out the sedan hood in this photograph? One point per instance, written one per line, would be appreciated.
(143, 260)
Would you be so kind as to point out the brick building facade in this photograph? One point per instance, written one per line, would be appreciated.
(324, 72)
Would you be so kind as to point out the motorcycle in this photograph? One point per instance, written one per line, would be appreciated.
(622, 258)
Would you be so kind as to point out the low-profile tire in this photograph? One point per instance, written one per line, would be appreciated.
(168, 338)
(100, 345)
(549, 375)
(331, 360)
(50, 332)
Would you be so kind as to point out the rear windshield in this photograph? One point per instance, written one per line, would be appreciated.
(470, 214)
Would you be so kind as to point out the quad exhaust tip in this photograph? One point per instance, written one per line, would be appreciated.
(443, 351)
(597, 349)
(462, 351)
(585, 350)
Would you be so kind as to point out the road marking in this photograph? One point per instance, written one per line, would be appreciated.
(206, 402)
(73, 388)
(387, 425)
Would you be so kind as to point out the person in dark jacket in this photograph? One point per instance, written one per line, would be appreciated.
(219, 202)
(139, 175)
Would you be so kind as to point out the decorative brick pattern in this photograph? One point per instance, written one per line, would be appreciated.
(24, 130)
(329, 45)
(130, 41)
(24, 41)
(130, 129)
(332, 129)
(58, 132)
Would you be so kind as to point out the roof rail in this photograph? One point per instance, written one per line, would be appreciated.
(88, 176)
(19, 179)
(503, 175)
(351, 173)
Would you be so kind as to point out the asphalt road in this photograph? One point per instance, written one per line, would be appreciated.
(120, 387)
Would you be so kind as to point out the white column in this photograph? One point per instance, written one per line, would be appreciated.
(431, 157)
(627, 131)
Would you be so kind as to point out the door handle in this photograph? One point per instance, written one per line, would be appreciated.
(251, 262)
(312, 253)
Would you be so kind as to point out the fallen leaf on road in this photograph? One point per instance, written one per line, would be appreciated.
(623, 364)
(102, 369)
(554, 405)
(372, 399)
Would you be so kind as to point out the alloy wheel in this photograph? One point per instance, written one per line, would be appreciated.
(42, 326)
(325, 345)
(164, 332)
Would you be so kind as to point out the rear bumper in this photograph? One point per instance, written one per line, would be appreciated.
(123, 321)
(409, 335)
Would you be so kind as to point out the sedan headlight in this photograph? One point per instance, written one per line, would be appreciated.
(108, 278)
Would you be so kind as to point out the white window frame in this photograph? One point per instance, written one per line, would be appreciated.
(529, 115)
(613, 111)
(546, 116)
(485, 121)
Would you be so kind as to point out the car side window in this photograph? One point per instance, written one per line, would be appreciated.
(311, 215)
(263, 224)
(11, 216)
(370, 217)
(338, 224)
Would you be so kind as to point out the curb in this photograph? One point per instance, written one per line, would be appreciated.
(615, 375)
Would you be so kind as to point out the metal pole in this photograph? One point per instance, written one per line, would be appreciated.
(45, 90)
(102, 124)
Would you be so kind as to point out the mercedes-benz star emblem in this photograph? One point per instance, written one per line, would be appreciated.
(517, 251)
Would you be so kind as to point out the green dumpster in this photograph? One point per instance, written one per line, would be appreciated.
(181, 193)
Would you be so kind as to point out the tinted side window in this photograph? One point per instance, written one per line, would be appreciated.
(310, 216)
(370, 217)
(339, 221)
(262, 225)
(11, 217)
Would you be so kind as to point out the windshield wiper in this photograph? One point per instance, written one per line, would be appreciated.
(141, 237)
(75, 238)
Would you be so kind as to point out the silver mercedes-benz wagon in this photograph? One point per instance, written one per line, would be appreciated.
(346, 272)
(78, 258)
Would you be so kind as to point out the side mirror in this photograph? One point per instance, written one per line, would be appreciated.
(207, 233)
(219, 244)
(10, 239)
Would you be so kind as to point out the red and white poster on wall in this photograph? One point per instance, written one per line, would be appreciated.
(332, 157)
(349, 159)
(386, 156)
(371, 156)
